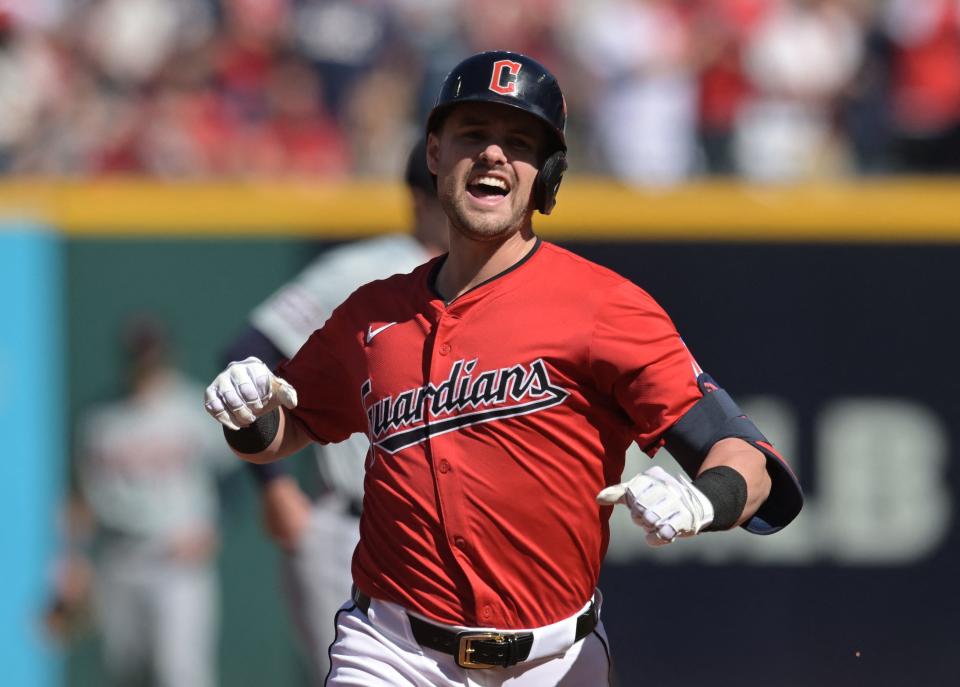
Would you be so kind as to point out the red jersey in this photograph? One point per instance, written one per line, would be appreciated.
(494, 421)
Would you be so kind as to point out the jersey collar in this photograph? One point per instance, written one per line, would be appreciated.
(435, 270)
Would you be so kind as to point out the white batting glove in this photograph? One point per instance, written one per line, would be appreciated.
(666, 507)
(245, 391)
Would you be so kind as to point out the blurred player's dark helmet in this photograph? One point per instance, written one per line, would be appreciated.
(145, 343)
(417, 175)
(518, 81)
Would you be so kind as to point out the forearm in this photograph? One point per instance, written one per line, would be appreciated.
(750, 463)
(268, 439)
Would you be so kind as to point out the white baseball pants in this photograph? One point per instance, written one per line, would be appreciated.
(377, 649)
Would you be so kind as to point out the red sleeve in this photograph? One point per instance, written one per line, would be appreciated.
(637, 356)
(324, 373)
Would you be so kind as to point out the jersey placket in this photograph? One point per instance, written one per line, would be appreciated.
(446, 466)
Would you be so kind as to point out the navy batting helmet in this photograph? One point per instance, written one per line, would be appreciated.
(518, 81)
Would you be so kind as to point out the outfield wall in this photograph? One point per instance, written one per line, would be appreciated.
(827, 311)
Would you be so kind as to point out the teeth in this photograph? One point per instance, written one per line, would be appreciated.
(491, 181)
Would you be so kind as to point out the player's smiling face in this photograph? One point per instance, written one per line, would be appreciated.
(486, 158)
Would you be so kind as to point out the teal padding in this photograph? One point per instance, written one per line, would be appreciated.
(31, 415)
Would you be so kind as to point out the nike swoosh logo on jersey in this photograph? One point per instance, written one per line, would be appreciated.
(371, 332)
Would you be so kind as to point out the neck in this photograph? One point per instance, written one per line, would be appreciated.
(471, 263)
(430, 246)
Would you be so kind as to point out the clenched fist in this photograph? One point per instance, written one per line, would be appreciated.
(245, 391)
(666, 507)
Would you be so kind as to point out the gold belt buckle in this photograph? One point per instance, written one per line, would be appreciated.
(465, 649)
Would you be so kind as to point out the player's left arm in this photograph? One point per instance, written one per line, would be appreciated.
(738, 478)
(714, 440)
(750, 464)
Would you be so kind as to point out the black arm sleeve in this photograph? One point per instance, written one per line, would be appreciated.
(716, 416)
(254, 342)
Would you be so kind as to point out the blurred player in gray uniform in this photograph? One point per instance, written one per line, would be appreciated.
(148, 495)
(318, 537)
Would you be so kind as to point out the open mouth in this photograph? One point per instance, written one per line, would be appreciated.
(488, 189)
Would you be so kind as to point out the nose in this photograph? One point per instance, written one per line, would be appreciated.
(493, 154)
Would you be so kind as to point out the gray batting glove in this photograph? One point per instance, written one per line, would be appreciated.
(666, 507)
(245, 391)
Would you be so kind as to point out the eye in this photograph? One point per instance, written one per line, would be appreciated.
(472, 134)
(520, 143)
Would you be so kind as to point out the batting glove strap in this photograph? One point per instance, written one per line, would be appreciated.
(726, 489)
(699, 506)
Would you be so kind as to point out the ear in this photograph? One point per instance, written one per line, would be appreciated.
(433, 153)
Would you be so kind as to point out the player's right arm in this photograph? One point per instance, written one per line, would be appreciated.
(251, 403)
(268, 417)
(284, 505)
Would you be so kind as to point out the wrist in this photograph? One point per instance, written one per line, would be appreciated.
(255, 437)
(726, 490)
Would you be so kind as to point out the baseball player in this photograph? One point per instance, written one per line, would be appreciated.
(151, 497)
(500, 385)
(318, 535)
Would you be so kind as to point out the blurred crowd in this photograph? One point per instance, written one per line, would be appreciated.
(659, 91)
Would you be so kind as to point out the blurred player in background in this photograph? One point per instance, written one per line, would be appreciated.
(141, 525)
(318, 535)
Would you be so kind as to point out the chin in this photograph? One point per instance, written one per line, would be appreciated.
(485, 234)
(479, 223)
(485, 227)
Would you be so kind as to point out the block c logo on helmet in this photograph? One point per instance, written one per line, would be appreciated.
(497, 84)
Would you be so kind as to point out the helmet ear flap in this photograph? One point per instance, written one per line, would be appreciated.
(547, 183)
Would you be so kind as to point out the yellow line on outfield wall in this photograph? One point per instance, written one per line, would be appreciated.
(879, 210)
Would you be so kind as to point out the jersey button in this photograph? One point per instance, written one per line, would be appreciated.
(486, 612)
(460, 542)
(444, 467)
(444, 349)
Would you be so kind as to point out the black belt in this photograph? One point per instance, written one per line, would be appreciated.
(480, 648)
